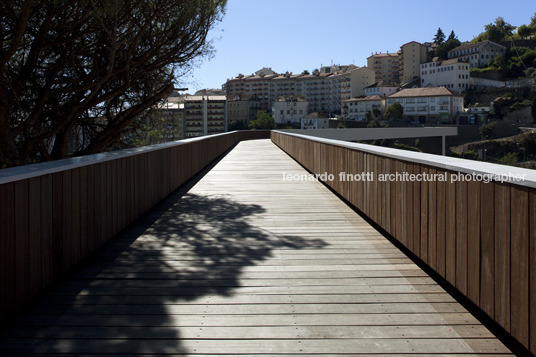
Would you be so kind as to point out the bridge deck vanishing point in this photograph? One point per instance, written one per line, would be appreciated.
(248, 263)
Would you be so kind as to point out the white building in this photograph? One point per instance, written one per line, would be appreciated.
(432, 105)
(357, 108)
(289, 110)
(380, 89)
(452, 74)
(315, 121)
(477, 54)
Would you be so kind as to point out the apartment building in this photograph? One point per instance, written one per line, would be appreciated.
(170, 117)
(323, 89)
(204, 115)
(315, 121)
(243, 109)
(453, 74)
(289, 110)
(477, 54)
(428, 105)
(380, 89)
(386, 67)
(411, 55)
(357, 108)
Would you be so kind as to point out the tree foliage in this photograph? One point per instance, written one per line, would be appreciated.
(75, 74)
(442, 50)
(487, 131)
(533, 110)
(264, 121)
(439, 37)
(499, 30)
(525, 31)
(394, 111)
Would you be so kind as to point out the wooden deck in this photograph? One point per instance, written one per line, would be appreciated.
(248, 263)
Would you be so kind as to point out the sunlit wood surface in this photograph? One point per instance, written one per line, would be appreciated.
(248, 262)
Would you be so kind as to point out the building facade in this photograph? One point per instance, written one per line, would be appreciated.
(315, 121)
(452, 74)
(357, 108)
(386, 67)
(324, 90)
(428, 105)
(380, 89)
(204, 115)
(477, 54)
(289, 110)
(242, 109)
(411, 55)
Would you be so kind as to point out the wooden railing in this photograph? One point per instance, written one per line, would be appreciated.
(480, 236)
(53, 215)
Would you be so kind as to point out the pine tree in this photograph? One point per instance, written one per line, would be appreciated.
(439, 37)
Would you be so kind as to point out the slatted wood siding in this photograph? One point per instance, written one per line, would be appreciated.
(50, 222)
(481, 237)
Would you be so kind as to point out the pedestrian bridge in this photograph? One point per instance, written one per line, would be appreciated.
(248, 258)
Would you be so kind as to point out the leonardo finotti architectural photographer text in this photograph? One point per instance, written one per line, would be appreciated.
(405, 177)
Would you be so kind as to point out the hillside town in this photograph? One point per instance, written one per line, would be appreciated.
(429, 89)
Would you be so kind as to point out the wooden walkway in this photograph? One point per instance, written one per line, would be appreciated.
(248, 263)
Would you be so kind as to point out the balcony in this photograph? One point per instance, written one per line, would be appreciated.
(241, 256)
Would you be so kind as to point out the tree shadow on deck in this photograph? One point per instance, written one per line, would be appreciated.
(155, 277)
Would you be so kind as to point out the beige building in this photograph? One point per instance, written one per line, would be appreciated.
(357, 108)
(204, 115)
(323, 89)
(243, 109)
(381, 89)
(477, 54)
(289, 110)
(411, 55)
(386, 67)
(433, 105)
(171, 118)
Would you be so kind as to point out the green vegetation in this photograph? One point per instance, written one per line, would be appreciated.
(509, 159)
(517, 62)
(487, 131)
(407, 147)
(75, 75)
(533, 110)
(443, 47)
(264, 121)
(518, 150)
(439, 37)
(394, 111)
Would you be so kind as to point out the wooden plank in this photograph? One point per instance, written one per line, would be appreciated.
(47, 209)
(502, 255)
(487, 249)
(34, 254)
(417, 214)
(532, 270)
(7, 249)
(424, 218)
(519, 296)
(432, 220)
(461, 236)
(58, 224)
(84, 211)
(67, 241)
(76, 208)
(450, 230)
(473, 241)
(441, 187)
(92, 199)
(22, 245)
(229, 268)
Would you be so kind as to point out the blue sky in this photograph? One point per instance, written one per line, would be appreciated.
(294, 35)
